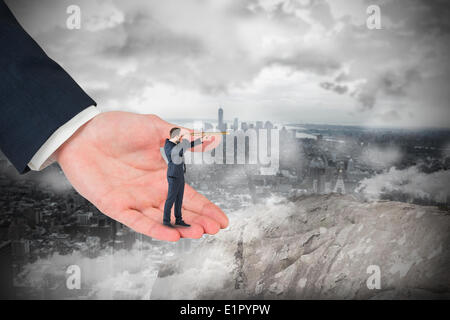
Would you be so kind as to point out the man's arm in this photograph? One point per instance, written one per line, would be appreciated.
(185, 144)
(37, 97)
(168, 152)
(196, 142)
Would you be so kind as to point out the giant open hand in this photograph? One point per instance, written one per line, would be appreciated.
(114, 161)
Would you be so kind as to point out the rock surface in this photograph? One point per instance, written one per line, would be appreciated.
(317, 247)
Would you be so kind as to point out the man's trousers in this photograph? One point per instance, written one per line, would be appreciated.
(174, 195)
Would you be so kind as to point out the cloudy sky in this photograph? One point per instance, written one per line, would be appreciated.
(312, 61)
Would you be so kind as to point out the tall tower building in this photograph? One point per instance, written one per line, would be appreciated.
(220, 123)
(222, 127)
(317, 174)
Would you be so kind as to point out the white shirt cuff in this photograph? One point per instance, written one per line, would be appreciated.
(43, 156)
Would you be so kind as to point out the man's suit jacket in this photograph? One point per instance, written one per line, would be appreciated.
(36, 95)
(178, 168)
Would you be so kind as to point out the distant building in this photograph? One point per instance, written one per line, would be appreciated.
(244, 126)
(328, 187)
(33, 216)
(207, 126)
(350, 165)
(268, 125)
(340, 186)
(287, 134)
(83, 218)
(334, 156)
(125, 238)
(236, 124)
(119, 245)
(220, 115)
(17, 229)
(315, 186)
(20, 248)
(221, 125)
(317, 169)
(101, 221)
(259, 125)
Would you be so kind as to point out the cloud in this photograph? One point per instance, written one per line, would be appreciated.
(53, 179)
(108, 16)
(334, 87)
(127, 271)
(411, 182)
(307, 60)
(389, 116)
(390, 83)
(217, 52)
(380, 157)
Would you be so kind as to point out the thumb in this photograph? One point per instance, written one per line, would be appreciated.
(163, 128)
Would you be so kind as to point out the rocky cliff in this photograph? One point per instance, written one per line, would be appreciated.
(317, 247)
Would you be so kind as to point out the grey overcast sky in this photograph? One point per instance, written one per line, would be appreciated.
(281, 60)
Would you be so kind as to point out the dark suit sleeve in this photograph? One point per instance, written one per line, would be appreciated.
(36, 95)
(168, 152)
(196, 142)
(185, 145)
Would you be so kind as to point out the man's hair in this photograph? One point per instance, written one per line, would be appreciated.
(174, 132)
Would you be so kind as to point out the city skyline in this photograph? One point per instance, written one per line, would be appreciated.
(232, 118)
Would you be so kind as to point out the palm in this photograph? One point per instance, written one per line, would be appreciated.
(114, 161)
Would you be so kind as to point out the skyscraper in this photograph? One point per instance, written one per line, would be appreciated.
(317, 168)
(220, 123)
(222, 127)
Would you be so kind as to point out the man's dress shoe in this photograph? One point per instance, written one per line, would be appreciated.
(182, 223)
(168, 224)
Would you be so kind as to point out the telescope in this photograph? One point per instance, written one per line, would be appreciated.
(209, 133)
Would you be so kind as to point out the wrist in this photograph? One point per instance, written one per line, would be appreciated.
(45, 155)
(64, 148)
